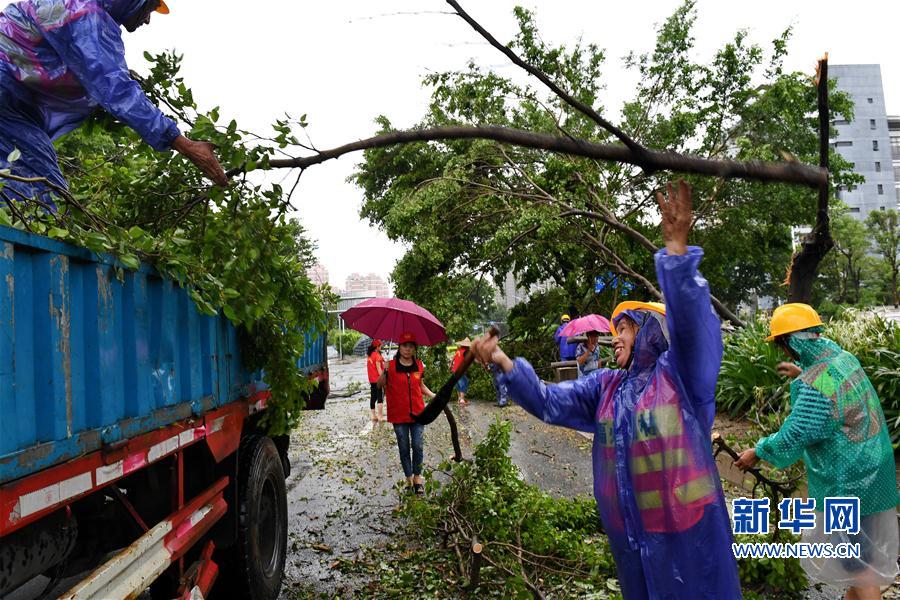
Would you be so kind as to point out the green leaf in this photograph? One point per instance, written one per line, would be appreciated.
(130, 261)
(14, 156)
(136, 233)
(229, 312)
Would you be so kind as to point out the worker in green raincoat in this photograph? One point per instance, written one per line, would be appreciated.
(837, 427)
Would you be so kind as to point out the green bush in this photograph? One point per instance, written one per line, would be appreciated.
(749, 384)
(748, 377)
(770, 578)
(344, 342)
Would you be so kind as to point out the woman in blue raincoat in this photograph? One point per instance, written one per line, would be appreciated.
(655, 479)
(59, 61)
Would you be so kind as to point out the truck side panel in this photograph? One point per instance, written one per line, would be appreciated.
(87, 359)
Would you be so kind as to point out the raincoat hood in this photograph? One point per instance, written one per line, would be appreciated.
(810, 348)
(122, 10)
(650, 343)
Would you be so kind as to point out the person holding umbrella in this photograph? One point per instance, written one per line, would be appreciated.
(410, 326)
(462, 386)
(405, 389)
(587, 355)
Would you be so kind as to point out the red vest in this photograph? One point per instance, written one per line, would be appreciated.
(372, 365)
(458, 359)
(403, 393)
(670, 486)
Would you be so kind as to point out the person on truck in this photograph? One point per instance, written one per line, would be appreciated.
(59, 61)
(655, 480)
(838, 429)
(405, 388)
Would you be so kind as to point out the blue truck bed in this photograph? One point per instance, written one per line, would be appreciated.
(87, 360)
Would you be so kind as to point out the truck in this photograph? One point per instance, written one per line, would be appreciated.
(132, 457)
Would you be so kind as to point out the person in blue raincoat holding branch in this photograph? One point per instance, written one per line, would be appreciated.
(655, 479)
(59, 61)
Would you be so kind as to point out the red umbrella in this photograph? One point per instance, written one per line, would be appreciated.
(585, 324)
(389, 318)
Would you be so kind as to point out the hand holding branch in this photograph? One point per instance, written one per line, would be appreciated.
(202, 155)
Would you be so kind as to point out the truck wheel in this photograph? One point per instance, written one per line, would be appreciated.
(261, 546)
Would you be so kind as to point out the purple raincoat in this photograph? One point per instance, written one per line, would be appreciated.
(59, 60)
(656, 484)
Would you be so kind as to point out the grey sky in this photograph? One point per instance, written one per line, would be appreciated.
(347, 61)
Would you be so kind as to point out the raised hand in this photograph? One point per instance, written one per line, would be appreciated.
(677, 216)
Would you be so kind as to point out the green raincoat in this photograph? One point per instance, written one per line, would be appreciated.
(837, 427)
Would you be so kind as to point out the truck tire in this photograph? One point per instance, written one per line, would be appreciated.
(261, 548)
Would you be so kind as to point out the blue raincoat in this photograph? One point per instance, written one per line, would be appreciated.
(655, 481)
(566, 350)
(60, 60)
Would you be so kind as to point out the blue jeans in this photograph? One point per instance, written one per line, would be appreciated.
(410, 434)
(502, 393)
(463, 384)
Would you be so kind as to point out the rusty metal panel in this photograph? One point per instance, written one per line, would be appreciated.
(91, 354)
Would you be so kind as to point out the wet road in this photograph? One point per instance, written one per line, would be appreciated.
(346, 474)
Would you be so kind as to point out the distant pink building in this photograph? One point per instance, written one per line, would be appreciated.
(370, 284)
(318, 274)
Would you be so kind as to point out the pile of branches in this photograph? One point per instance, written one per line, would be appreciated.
(502, 535)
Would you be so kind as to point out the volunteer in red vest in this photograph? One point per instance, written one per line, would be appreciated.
(375, 367)
(405, 390)
(655, 480)
(462, 386)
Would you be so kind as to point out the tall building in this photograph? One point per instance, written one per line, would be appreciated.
(511, 293)
(370, 284)
(318, 274)
(865, 141)
(894, 132)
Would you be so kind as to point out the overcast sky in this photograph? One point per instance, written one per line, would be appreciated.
(346, 61)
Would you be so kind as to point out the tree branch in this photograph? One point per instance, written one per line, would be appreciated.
(581, 107)
(784, 172)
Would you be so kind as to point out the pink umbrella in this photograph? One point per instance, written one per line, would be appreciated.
(389, 318)
(585, 324)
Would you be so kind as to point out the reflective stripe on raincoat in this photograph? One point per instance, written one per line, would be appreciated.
(655, 479)
(59, 60)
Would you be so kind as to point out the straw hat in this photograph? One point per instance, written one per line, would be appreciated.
(466, 343)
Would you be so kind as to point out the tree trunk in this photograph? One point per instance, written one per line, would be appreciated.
(805, 263)
(894, 287)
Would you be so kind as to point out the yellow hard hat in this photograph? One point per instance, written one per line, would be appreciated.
(658, 307)
(565, 318)
(792, 317)
(162, 8)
